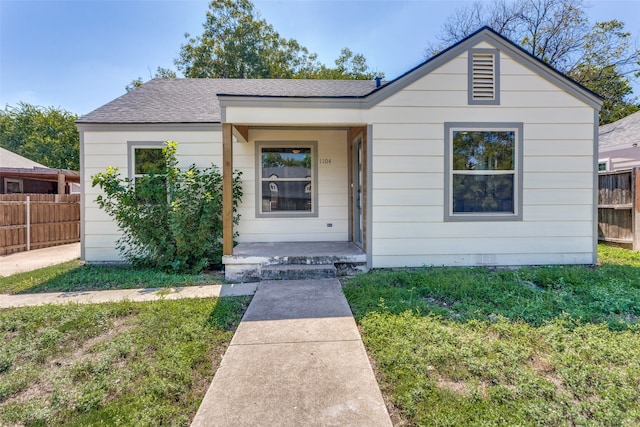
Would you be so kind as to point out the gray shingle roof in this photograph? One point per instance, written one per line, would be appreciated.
(195, 100)
(625, 131)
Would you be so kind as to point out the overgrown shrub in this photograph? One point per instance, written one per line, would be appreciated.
(170, 219)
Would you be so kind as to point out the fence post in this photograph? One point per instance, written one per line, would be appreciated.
(28, 209)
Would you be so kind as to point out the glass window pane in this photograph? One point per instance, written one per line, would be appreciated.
(280, 162)
(283, 196)
(483, 150)
(483, 193)
(148, 160)
(13, 187)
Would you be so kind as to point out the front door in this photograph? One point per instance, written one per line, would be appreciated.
(357, 191)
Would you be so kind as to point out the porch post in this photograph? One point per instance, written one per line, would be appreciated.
(365, 189)
(227, 190)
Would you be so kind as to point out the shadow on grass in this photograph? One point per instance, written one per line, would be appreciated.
(125, 363)
(75, 277)
(532, 295)
(534, 346)
(609, 293)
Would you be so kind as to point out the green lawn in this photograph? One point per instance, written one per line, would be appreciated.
(142, 364)
(548, 346)
(72, 276)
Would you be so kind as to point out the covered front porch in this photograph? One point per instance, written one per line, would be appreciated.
(322, 237)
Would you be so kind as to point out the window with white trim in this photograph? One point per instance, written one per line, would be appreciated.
(484, 77)
(286, 180)
(484, 171)
(604, 165)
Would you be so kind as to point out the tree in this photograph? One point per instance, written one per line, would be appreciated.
(598, 56)
(162, 73)
(349, 66)
(605, 68)
(45, 135)
(237, 43)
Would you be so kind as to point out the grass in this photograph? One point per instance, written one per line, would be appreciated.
(547, 346)
(142, 364)
(72, 276)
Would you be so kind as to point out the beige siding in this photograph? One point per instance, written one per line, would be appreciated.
(332, 187)
(407, 172)
(109, 148)
(300, 116)
(408, 165)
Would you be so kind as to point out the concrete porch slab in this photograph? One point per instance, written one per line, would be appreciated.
(249, 259)
(342, 250)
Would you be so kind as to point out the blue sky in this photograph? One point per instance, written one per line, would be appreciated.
(80, 54)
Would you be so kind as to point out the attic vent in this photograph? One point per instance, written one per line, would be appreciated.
(484, 75)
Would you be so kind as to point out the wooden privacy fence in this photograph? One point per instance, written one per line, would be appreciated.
(34, 221)
(618, 207)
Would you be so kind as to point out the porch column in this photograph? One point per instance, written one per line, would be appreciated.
(227, 190)
(365, 189)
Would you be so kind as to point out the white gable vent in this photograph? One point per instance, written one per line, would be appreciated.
(484, 75)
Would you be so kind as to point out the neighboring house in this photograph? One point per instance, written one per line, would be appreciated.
(482, 155)
(618, 144)
(21, 175)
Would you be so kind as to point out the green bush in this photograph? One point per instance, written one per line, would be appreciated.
(170, 219)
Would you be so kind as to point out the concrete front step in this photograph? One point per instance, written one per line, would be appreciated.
(249, 259)
(298, 272)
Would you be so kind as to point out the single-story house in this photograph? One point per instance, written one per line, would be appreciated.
(480, 156)
(618, 144)
(21, 175)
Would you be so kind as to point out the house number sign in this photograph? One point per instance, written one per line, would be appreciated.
(325, 161)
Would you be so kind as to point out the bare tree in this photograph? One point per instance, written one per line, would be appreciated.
(601, 56)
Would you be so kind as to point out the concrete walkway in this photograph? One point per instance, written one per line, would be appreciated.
(38, 258)
(94, 297)
(296, 359)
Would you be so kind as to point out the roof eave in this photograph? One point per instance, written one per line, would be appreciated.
(484, 34)
(84, 126)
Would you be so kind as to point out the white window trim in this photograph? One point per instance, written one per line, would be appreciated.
(607, 163)
(314, 179)
(449, 216)
(19, 181)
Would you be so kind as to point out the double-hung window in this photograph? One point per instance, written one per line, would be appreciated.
(286, 182)
(483, 167)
